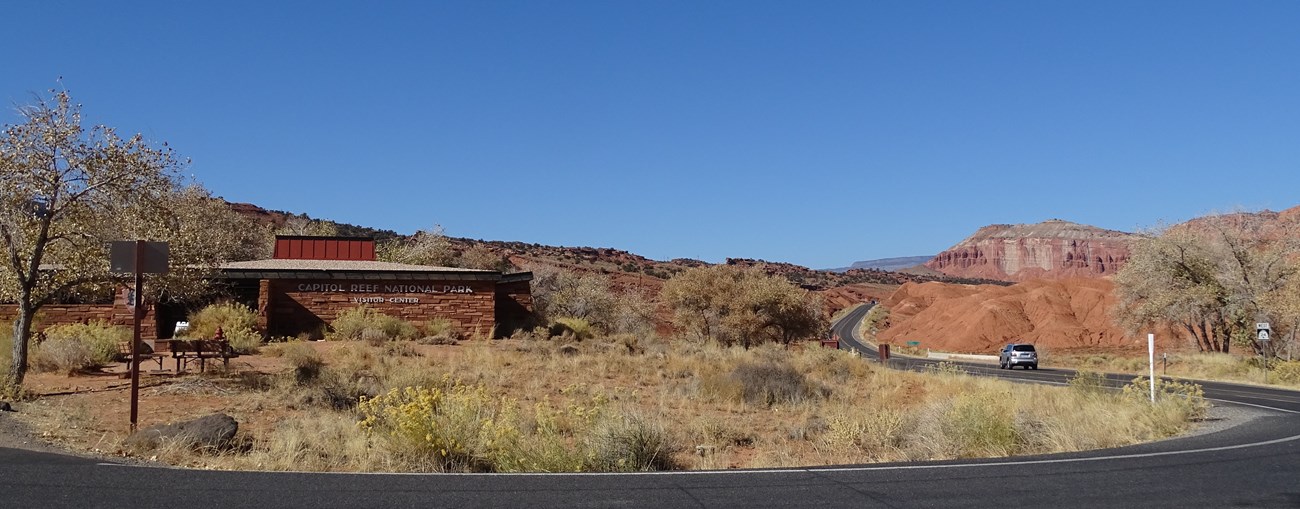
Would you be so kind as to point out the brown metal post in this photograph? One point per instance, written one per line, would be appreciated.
(135, 341)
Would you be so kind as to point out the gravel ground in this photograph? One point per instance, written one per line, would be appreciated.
(16, 435)
(1221, 417)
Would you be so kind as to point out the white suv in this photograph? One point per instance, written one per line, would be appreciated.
(1015, 354)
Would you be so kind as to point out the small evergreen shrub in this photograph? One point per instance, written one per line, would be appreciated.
(979, 424)
(439, 331)
(305, 361)
(579, 328)
(238, 323)
(6, 347)
(1286, 372)
(354, 324)
(1088, 382)
(767, 383)
(458, 428)
(629, 443)
(1186, 397)
(74, 348)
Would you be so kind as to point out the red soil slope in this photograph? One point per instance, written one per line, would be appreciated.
(847, 296)
(1068, 314)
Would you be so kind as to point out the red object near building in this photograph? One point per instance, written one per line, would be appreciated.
(303, 247)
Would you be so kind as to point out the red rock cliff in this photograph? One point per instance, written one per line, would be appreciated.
(1052, 249)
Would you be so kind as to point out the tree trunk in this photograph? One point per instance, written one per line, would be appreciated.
(22, 338)
(1191, 329)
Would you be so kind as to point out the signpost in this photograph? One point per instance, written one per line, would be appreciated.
(1151, 360)
(138, 257)
(1261, 333)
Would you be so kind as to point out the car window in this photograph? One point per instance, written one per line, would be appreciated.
(1024, 348)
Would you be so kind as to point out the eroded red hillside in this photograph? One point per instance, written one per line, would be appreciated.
(1066, 314)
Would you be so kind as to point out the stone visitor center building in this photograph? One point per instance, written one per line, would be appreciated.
(310, 280)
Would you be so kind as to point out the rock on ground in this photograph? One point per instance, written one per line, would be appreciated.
(216, 431)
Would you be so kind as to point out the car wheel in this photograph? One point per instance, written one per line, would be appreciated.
(1034, 367)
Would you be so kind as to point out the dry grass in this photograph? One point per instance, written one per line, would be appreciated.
(75, 348)
(632, 404)
(6, 347)
(1201, 366)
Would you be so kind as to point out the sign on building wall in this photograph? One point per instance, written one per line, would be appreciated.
(383, 288)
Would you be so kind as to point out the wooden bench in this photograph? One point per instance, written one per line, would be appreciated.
(143, 353)
(186, 351)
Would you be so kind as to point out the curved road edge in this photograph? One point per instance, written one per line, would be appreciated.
(1254, 465)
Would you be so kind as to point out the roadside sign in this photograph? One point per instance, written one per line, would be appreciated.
(1263, 335)
(1261, 326)
(913, 343)
(152, 260)
(138, 258)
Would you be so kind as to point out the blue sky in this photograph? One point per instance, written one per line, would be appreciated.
(817, 133)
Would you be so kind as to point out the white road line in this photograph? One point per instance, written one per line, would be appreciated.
(815, 470)
(797, 470)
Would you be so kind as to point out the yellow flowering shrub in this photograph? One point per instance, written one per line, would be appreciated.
(455, 427)
(460, 427)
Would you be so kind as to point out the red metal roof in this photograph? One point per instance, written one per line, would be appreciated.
(323, 248)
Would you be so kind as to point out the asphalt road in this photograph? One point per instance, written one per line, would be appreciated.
(1252, 465)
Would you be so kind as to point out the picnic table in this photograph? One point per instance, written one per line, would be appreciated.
(144, 352)
(186, 351)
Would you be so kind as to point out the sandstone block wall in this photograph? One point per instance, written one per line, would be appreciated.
(293, 307)
(116, 313)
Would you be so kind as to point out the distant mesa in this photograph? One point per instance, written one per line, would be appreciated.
(890, 264)
(1053, 249)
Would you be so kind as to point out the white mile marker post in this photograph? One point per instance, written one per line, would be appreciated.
(1151, 359)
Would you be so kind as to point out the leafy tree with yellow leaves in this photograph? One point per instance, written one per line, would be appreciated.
(67, 190)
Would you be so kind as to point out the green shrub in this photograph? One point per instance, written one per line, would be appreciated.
(238, 323)
(1286, 372)
(876, 433)
(73, 348)
(630, 443)
(460, 428)
(1186, 397)
(303, 358)
(1088, 382)
(439, 331)
(6, 347)
(452, 426)
(767, 383)
(945, 368)
(400, 349)
(244, 341)
(579, 328)
(364, 323)
(980, 424)
(337, 390)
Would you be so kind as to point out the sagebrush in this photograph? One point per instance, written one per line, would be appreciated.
(75, 348)
(365, 323)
